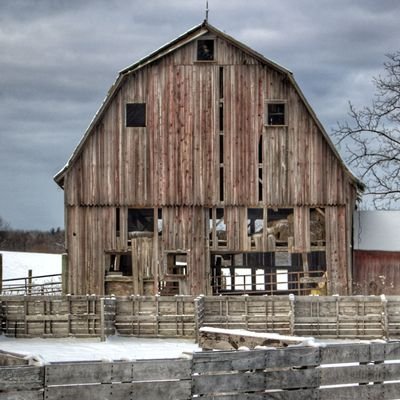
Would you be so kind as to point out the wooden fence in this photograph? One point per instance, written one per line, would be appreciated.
(339, 317)
(258, 313)
(155, 316)
(364, 317)
(339, 371)
(345, 371)
(56, 316)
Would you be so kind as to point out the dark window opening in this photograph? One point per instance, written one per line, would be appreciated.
(140, 220)
(205, 50)
(221, 82)
(159, 221)
(276, 114)
(177, 264)
(317, 227)
(255, 226)
(217, 226)
(120, 264)
(221, 149)
(117, 221)
(136, 114)
(221, 183)
(317, 261)
(221, 117)
(260, 183)
(260, 150)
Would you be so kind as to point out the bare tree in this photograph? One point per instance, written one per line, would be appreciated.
(372, 137)
(4, 225)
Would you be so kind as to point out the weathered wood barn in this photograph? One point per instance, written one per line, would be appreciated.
(206, 171)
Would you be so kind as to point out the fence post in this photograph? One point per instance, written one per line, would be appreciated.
(292, 313)
(385, 317)
(102, 320)
(198, 315)
(29, 289)
(64, 274)
(1, 273)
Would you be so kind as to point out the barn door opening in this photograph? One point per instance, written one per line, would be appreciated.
(270, 273)
(175, 277)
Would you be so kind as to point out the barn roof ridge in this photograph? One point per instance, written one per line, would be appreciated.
(188, 36)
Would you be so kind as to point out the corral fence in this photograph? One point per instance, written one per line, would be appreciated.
(33, 285)
(340, 317)
(336, 371)
(57, 316)
(364, 317)
(51, 284)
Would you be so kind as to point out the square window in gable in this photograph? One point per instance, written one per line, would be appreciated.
(205, 50)
(136, 114)
(276, 113)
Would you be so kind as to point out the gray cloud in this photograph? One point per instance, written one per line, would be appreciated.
(59, 58)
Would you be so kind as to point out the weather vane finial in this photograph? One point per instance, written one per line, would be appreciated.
(207, 10)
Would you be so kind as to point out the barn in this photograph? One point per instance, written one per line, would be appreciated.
(376, 252)
(205, 171)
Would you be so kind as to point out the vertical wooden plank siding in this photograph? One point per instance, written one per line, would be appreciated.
(173, 163)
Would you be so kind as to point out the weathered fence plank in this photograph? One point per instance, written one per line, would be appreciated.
(209, 362)
(387, 391)
(81, 392)
(293, 394)
(23, 395)
(21, 378)
(79, 373)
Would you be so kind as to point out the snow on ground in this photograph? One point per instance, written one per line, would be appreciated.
(115, 348)
(17, 264)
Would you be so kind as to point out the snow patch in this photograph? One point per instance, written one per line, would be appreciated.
(49, 350)
(16, 264)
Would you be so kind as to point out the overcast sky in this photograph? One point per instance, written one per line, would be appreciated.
(58, 58)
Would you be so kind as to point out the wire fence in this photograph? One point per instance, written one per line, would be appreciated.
(33, 285)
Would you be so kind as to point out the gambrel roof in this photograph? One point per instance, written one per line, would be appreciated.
(187, 37)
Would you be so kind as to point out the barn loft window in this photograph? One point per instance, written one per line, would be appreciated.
(276, 113)
(140, 220)
(205, 50)
(135, 114)
(120, 264)
(177, 264)
(217, 227)
(317, 227)
(280, 228)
